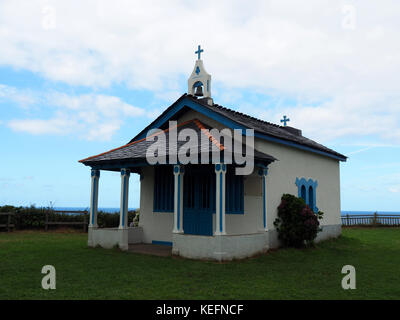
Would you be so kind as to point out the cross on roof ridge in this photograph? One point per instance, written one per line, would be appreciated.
(284, 120)
(198, 52)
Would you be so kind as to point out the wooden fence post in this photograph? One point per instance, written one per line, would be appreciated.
(84, 222)
(375, 218)
(348, 220)
(8, 222)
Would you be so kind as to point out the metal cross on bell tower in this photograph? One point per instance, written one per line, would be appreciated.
(198, 52)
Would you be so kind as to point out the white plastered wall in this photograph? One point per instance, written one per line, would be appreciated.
(294, 163)
(156, 225)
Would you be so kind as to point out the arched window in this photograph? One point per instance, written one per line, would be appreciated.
(303, 193)
(307, 190)
(311, 197)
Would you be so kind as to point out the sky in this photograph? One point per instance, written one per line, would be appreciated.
(81, 77)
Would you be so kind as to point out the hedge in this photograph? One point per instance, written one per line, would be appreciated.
(34, 218)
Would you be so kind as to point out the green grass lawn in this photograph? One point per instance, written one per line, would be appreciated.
(88, 273)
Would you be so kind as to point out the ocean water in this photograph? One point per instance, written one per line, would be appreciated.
(349, 212)
(344, 212)
(109, 210)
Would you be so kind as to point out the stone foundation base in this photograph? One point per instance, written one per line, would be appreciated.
(110, 237)
(219, 248)
(229, 247)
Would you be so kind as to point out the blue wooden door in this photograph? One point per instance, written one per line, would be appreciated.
(198, 200)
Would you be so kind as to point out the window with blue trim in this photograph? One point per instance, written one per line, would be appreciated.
(163, 189)
(303, 193)
(307, 190)
(311, 197)
(234, 192)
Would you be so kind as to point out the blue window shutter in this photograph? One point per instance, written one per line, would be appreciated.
(163, 189)
(234, 197)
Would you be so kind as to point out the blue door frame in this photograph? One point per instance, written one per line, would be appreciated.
(198, 200)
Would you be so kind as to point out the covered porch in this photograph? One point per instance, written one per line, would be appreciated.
(201, 198)
(185, 206)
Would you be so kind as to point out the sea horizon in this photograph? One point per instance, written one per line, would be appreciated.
(116, 210)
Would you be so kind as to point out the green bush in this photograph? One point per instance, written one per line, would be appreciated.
(297, 224)
(34, 218)
(26, 217)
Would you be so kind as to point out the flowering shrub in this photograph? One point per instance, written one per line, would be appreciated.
(297, 224)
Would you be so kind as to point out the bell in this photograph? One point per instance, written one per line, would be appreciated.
(199, 91)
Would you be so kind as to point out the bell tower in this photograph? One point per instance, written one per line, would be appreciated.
(199, 83)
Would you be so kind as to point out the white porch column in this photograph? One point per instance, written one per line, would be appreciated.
(178, 198)
(220, 171)
(94, 198)
(263, 172)
(123, 216)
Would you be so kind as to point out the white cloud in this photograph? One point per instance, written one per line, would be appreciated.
(395, 188)
(91, 116)
(57, 125)
(268, 44)
(21, 97)
(276, 47)
(346, 116)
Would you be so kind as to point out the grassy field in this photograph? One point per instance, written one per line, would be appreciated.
(88, 273)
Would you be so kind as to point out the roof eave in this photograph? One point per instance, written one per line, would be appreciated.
(264, 136)
(191, 102)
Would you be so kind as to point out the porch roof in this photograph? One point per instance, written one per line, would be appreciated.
(133, 154)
